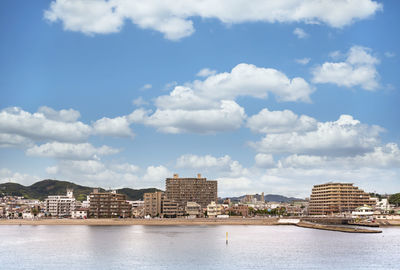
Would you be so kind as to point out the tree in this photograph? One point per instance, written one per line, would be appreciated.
(395, 199)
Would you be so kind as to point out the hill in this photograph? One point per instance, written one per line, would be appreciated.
(40, 190)
(271, 198)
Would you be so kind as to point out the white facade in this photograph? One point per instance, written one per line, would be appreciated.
(79, 213)
(362, 211)
(59, 205)
(214, 209)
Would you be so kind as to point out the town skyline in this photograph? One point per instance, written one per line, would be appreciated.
(256, 101)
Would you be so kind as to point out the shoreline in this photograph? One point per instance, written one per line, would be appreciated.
(156, 222)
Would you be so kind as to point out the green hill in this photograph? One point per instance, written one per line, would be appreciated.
(40, 190)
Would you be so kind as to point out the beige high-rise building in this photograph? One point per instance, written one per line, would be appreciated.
(336, 198)
(152, 203)
(199, 190)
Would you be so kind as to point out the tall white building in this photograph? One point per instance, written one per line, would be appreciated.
(59, 205)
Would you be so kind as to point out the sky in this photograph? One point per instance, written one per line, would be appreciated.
(263, 96)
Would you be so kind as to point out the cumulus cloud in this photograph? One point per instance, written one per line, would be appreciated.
(202, 162)
(300, 33)
(118, 127)
(208, 106)
(243, 80)
(14, 140)
(385, 157)
(280, 122)
(46, 124)
(156, 175)
(174, 18)
(145, 87)
(264, 160)
(344, 137)
(205, 72)
(139, 102)
(69, 115)
(80, 151)
(303, 61)
(359, 69)
(7, 175)
(229, 116)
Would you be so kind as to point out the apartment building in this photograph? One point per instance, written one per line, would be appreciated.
(60, 205)
(183, 190)
(152, 203)
(337, 198)
(108, 205)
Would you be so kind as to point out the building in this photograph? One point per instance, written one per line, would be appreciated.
(183, 190)
(170, 208)
(337, 198)
(253, 198)
(214, 209)
(108, 205)
(152, 204)
(80, 213)
(60, 205)
(193, 209)
(362, 212)
(239, 210)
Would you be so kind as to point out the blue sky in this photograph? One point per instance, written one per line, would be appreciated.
(262, 97)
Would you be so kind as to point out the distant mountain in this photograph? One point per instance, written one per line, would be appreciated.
(271, 198)
(40, 190)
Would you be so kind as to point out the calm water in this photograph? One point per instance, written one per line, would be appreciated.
(194, 247)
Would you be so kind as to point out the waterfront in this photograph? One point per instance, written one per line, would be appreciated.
(194, 247)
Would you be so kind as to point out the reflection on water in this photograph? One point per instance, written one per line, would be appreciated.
(194, 247)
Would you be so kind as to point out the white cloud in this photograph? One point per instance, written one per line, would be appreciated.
(243, 80)
(39, 127)
(118, 127)
(390, 54)
(69, 115)
(81, 151)
(125, 167)
(264, 160)
(173, 18)
(303, 61)
(139, 102)
(229, 116)
(146, 87)
(203, 162)
(155, 176)
(359, 69)
(386, 156)
(344, 137)
(14, 140)
(206, 72)
(7, 175)
(208, 106)
(280, 122)
(300, 33)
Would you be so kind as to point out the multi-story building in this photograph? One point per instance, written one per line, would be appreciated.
(214, 209)
(60, 205)
(183, 190)
(152, 204)
(336, 198)
(193, 209)
(79, 213)
(171, 209)
(108, 205)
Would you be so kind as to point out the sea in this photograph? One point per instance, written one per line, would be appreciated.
(194, 247)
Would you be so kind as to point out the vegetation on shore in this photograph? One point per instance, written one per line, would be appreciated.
(40, 190)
